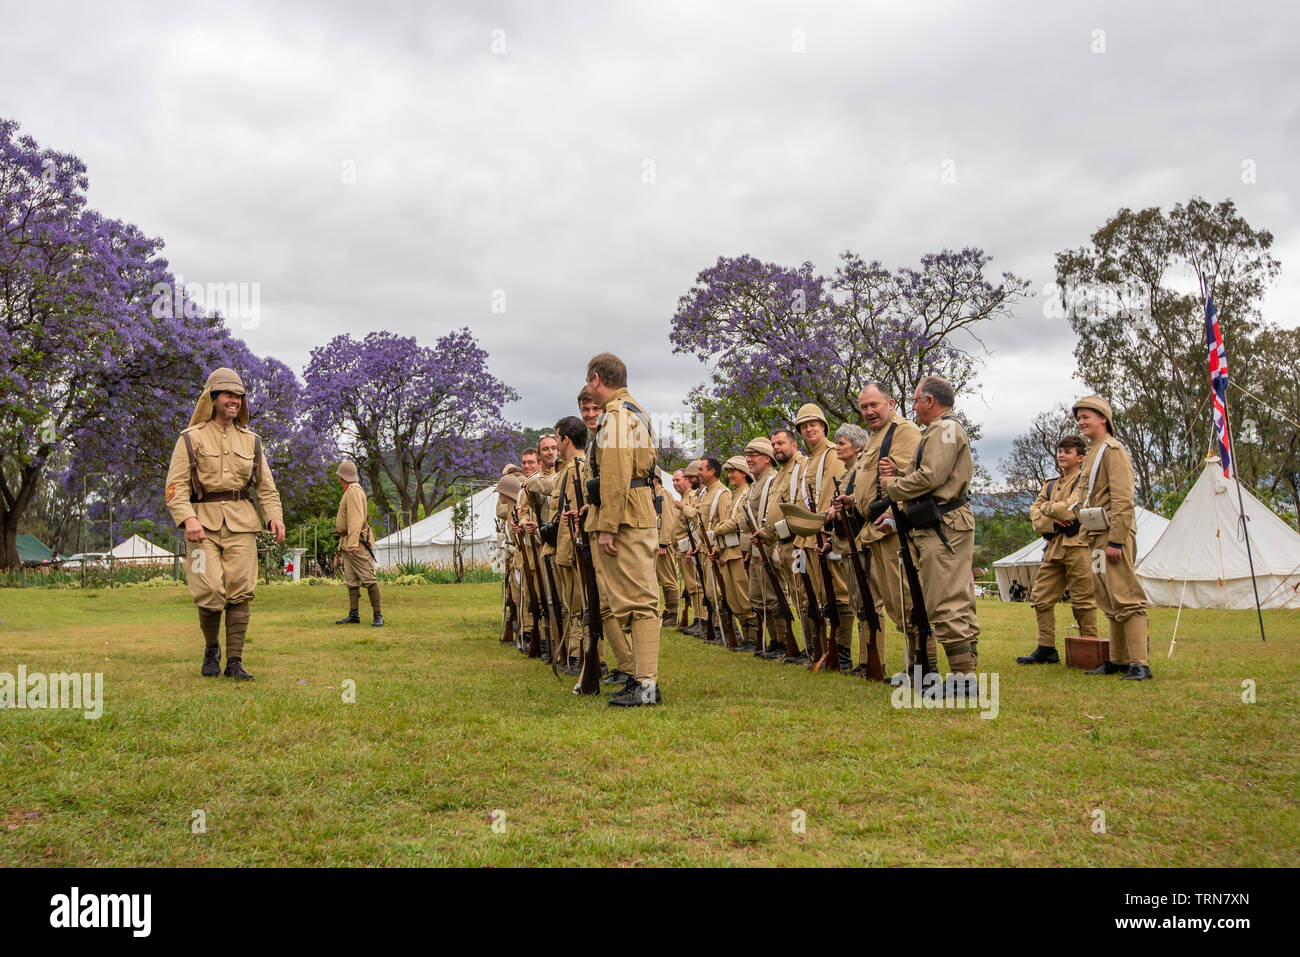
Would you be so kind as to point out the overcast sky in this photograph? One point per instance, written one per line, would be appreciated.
(393, 165)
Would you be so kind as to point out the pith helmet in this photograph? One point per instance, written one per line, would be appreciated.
(763, 446)
(348, 471)
(738, 463)
(801, 521)
(508, 487)
(693, 469)
(811, 413)
(511, 469)
(1096, 403)
(221, 380)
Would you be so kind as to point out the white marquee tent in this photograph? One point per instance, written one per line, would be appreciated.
(1022, 564)
(1203, 548)
(139, 551)
(433, 539)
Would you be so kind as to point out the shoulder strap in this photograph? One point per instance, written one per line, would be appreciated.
(713, 506)
(1051, 484)
(196, 487)
(256, 478)
(888, 444)
(1092, 475)
(762, 498)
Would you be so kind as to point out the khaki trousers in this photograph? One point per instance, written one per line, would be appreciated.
(666, 572)
(358, 568)
(571, 602)
(949, 590)
(889, 585)
(1072, 570)
(627, 582)
(1120, 597)
(221, 570)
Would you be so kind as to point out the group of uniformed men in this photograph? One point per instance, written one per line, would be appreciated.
(769, 546)
(806, 526)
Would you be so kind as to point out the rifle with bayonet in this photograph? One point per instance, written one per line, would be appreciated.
(870, 663)
(710, 634)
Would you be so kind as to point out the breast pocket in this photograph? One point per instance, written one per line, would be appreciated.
(208, 464)
(241, 465)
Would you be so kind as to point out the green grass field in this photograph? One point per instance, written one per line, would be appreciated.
(449, 726)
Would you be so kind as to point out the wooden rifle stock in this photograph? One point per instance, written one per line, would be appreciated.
(728, 628)
(709, 632)
(919, 618)
(830, 660)
(530, 584)
(589, 679)
(870, 656)
(812, 642)
(783, 605)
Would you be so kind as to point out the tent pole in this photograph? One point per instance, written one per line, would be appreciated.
(1236, 472)
(1174, 640)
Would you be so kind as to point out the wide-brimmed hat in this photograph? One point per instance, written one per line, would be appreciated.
(808, 412)
(692, 469)
(738, 463)
(1096, 403)
(221, 380)
(763, 446)
(801, 521)
(509, 487)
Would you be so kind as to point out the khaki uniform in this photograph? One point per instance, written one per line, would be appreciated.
(888, 583)
(665, 564)
(354, 533)
(729, 522)
(623, 459)
(1118, 592)
(221, 570)
(690, 579)
(760, 500)
(942, 467)
(786, 488)
(823, 468)
(561, 499)
(1067, 563)
(510, 560)
(532, 508)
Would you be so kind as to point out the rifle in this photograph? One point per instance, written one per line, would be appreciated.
(870, 662)
(728, 628)
(508, 611)
(709, 633)
(589, 679)
(812, 641)
(535, 637)
(831, 659)
(555, 633)
(783, 606)
(919, 618)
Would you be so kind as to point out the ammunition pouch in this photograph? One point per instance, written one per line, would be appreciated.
(783, 533)
(1069, 531)
(927, 513)
(731, 540)
(593, 492)
(549, 533)
(1093, 519)
(877, 508)
(683, 545)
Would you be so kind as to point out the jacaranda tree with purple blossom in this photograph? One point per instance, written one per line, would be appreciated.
(96, 383)
(420, 417)
(774, 337)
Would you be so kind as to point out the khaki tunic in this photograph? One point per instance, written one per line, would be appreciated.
(665, 564)
(354, 533)
(1118, 592)
(786, 488)
(731, 559)
(1066, 563)
(943, 467)
(761, 502)
(222, 570)
(624, 451)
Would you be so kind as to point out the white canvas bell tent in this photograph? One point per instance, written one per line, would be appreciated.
(140, 551)
(433, 539)
(1203, 547)
(1022, 564)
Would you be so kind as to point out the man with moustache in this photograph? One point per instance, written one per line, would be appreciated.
(894, 438)
(937, 481)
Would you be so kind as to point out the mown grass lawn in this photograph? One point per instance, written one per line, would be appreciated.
(448, 726)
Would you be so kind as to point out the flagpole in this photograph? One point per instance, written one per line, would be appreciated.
(1236, 471)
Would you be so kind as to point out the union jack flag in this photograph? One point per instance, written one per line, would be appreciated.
(1219, 384)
